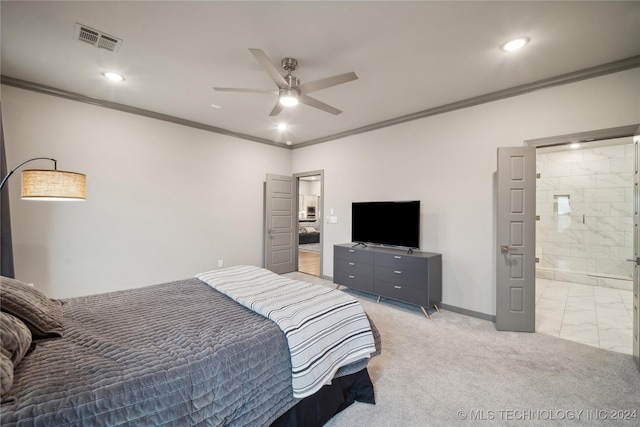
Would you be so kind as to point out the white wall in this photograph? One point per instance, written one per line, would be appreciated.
(449, 163)
(164, 201)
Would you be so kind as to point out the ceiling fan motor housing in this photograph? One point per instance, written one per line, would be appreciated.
(289, 64)
(292, 81)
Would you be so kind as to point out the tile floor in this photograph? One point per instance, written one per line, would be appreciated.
(593, 315)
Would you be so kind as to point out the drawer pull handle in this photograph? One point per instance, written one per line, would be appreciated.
(397, 257)
(397, 272)
(397, 287)
(352, 263)
(352, 277)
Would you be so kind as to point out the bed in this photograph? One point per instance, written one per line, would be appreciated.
(184, 353)
(308, 233)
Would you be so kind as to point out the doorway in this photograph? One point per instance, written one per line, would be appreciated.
(584, 237)
(309, 236)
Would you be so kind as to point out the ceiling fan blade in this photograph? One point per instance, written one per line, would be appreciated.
(316, 85)
(312, 102)
(276, 109)
(235, 89)
(273, 72)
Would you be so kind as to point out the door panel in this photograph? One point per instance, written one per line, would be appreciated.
(515, 258)
(279, 222)
(636, 251)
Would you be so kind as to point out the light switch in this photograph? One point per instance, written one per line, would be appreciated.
(333, 219)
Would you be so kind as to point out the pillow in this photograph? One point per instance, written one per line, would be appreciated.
(42, 315)
(310, 229)
(6, 373)
(15, 340)
(15, 337)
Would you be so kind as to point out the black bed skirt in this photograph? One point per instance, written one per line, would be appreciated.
(317, 409)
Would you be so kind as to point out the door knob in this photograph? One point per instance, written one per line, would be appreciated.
(507, 248)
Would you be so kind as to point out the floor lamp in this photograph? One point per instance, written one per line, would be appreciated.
(39, 184)
(43, 185)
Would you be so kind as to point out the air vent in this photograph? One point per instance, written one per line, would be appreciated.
(97, 38)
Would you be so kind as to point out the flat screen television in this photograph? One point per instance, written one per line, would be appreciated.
(386, 223)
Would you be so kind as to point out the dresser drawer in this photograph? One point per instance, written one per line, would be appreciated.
(401, 293)
(353, 268)
(363, 282)
(400, 277)
(351, 254)
(402, 262)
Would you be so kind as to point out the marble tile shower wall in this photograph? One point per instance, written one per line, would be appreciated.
(584, 199)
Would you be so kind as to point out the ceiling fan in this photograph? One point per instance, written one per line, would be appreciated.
(290, 91)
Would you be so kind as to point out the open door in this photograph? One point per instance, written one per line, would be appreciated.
(279, 224)
(636, 250)
(310, 190)
(516, 232)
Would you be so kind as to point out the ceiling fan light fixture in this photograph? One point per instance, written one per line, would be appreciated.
(288, 97)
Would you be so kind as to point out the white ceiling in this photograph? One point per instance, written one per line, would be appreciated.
(409, 56)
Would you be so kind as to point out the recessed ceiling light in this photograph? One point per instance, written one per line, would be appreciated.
(282, 126)
(113, 76)
(574, 145)
(515, 44)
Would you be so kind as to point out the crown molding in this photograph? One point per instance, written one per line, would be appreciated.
(48, 90)
(576, 76)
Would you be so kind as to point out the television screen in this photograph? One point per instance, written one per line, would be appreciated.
(386, 223)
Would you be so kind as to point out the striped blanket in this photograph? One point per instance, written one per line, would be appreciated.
(325, 328)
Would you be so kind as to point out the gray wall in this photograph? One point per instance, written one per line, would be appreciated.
(449, 163)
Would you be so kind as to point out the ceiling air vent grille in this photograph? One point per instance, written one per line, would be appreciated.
(97, 38)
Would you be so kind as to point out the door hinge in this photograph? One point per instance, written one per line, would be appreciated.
(538, 175)
(537, 217)
(537, 259)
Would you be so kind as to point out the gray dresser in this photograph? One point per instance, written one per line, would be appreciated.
(414, 278)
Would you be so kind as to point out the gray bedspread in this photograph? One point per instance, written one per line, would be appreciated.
(175, 354)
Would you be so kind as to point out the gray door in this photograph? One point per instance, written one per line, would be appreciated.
(636, 251)
(515, 257)
(279, 224)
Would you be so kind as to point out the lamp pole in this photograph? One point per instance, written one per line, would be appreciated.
(4, 180)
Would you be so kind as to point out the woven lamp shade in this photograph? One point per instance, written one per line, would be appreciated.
(53, 185)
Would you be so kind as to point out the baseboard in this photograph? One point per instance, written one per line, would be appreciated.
(466, 312)
(448, 307)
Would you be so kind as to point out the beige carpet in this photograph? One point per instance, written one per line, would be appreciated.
(458, 370)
